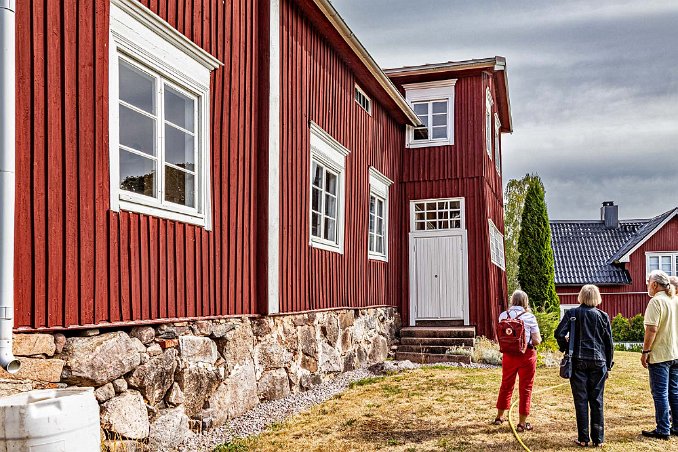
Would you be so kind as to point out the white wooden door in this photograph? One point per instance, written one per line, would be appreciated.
(439, 277)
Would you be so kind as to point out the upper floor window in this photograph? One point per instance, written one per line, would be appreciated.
(497, 149)
(433, 103)
(667, 262)
(328, 168)
(159, 128)
(362, 100)
(488, 122)
(377, 240)
(496, 246)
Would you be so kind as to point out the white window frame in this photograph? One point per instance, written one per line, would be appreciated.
(659, 254)
(413, 221)
(151, 44)
(329, 153)
(442, 90)
(489, 102)
(379, 188)
(565, 307)
(497, 147)
(359, 90)
(497, 254)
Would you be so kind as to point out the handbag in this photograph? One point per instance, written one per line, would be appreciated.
(566, 362)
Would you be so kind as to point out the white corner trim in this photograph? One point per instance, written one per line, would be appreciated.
(160, 27)
(627, 257)
(273, 243)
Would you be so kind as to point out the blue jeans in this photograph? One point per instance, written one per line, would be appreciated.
(664, 386)
(588, 389)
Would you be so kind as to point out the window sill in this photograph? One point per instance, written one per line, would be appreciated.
(429, 144)
(162, 213)
(325, 245)
(377, 257)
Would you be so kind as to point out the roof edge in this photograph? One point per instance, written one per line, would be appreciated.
(340, 25)
(496, 63)
(670, 214)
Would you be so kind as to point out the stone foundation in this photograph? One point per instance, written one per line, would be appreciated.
(152, 382)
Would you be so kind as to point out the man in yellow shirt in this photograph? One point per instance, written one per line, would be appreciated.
(660, 353)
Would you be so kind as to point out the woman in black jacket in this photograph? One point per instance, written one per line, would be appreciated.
(591, 361)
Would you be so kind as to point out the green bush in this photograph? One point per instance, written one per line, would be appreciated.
(621, 328)
(637, 332)
(548, 322)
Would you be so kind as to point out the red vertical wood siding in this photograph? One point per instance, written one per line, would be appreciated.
(319, 86)
(77, 262)
(631, 299)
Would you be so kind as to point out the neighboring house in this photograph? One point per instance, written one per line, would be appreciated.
(616, 255)
(206, 163)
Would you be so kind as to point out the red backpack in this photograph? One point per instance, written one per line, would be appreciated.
(511, 334)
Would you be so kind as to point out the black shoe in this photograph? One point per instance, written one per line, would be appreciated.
(654, 434)
(674, 432)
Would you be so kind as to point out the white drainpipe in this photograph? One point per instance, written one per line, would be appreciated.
(7, 150)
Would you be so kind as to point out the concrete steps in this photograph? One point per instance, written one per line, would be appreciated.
(430, 344)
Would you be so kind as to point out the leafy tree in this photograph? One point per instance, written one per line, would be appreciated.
(621, 328)
(536, 273)
(514, 198)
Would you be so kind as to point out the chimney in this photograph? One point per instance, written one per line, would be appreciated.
(609, 213)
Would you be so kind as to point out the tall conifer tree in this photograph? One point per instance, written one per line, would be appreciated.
(536, 273)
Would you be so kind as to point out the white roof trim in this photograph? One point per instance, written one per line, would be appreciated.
(627, 257)
(167, 32)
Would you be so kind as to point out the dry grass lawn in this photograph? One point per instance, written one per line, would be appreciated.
(450, 409)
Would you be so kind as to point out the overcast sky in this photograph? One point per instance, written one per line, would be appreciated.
(593, 88)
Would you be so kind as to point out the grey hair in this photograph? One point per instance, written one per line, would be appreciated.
(674, 282)
(589, 295)
(663, 281)
(519, 298)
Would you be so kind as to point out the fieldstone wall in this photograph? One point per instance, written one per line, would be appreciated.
(154, 382)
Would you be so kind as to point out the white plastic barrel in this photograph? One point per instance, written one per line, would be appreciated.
(50, 420)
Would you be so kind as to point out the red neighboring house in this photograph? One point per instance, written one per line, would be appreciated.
(616, 255)
(208, 159)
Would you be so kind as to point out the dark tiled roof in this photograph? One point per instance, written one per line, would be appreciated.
(582, 249)
(641, 235)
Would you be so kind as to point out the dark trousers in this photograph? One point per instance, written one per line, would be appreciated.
(588, 387)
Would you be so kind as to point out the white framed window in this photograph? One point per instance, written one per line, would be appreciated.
(158, 117)
(497, 149)
(363, 100)
(437, 214)
(496, 246)
(665, 261)
(488, 122)
(433, 103)
(328, 168)
(377, 235)
(565, 307)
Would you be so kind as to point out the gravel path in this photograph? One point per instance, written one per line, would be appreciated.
(259, 418)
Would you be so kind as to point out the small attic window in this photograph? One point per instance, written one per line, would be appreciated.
(362, 99)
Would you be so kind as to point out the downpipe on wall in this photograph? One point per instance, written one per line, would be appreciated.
(7, 153)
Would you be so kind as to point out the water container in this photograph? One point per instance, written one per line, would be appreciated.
(50, 420)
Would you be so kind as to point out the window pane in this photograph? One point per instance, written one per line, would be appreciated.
(420, 226)
(380, 208)
(315, 224)
(316, 199)
(373, 200)
(666, 264)
(380, 245)
(420, 133)
(380, 226)
(136, 87)
(179, 108)
(439, 132)
(137, 131)
(330, 206)
(137, 173)
(330, 231)
(440, 120)
(370, 242)
(179, 187)
(317, 172)
(331, 183)
(440, 107)
(371, 225)
(421, 109)
(179, 148)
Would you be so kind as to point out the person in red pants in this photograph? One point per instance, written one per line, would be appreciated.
(522, 365)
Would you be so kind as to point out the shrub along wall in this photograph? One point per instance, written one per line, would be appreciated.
(151, 380)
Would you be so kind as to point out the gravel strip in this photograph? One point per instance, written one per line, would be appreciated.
(263, 415)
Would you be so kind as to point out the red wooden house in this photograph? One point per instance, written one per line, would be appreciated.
(198, 159)
(615, 254)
